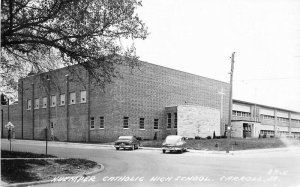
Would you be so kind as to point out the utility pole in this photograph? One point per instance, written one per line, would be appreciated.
(230, 102)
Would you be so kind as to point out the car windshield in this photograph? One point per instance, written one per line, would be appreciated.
(172, 139)
(125, 137)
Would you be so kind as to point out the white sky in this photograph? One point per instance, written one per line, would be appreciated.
(199, 36)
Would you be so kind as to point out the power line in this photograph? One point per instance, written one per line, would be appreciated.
(286, 78)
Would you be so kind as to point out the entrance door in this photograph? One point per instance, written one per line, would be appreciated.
(247, 130)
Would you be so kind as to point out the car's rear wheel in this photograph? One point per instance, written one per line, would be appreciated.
(136, 147)
(164, 151)
(117, 148)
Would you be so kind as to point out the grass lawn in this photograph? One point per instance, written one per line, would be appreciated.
(28, 170)
(235, 143)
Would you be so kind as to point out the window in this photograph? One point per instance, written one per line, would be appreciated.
(155, 123)
(29, 104)
(72, 98)
(53, 100)
(83, 97)
(36, 104)
(240, 113)
(92, 125)
(62, 99)
(281, 119)
(142, 123)
(125, 122)
(296, 121)
(267, 117)
(175, 120)
(44, 102)
(169, 121)
(267, 132)
(101, 122)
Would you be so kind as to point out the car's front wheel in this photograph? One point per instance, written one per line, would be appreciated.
(117, 148)
(136, 147)
(132, 148)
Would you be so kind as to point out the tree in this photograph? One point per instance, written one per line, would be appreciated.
(41, 35)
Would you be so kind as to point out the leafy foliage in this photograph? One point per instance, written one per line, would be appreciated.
(46, 34)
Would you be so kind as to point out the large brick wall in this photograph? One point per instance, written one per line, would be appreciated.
(141, 93)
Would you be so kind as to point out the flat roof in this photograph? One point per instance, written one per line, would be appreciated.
(251, 103)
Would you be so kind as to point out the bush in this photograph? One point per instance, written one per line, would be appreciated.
(197, 137)
(208, 137)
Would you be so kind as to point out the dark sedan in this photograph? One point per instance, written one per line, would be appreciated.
(174, 143)
(127, 142)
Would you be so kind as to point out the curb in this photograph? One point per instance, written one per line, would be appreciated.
(50, 181)
(192, 151)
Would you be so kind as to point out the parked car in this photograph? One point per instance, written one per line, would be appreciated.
(174, 143)
(129, 142)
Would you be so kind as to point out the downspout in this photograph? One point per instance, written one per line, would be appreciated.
(89, 106)
(32, 108)
(22, 108)
(67, 107)
(49, 100)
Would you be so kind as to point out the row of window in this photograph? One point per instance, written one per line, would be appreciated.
(125, 123)
(281, 119)
(263, 116)
(267, 132)
(240, 113)
(169, 120)
(296, 134)
(296, 121)
(285, 133)
(53, 100)
(267, 117)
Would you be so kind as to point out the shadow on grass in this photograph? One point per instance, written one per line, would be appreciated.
(28, 170)
(18, 171)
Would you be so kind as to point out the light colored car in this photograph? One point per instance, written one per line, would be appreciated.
(127, 142)
(174, 143)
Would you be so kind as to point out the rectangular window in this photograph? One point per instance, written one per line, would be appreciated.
(53, 100)
(44, 102)
(155, 123)
(62, 99)
(175, 120)
(29, 104)
(101, 122)
(72, 98)
(125, 122)
(83, 97)
(92, 125)
(142, 123)
(36, 103)
(169, 121)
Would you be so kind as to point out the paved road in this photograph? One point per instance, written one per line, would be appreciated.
(145, 167)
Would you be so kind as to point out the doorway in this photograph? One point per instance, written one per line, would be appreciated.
(247, 130)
